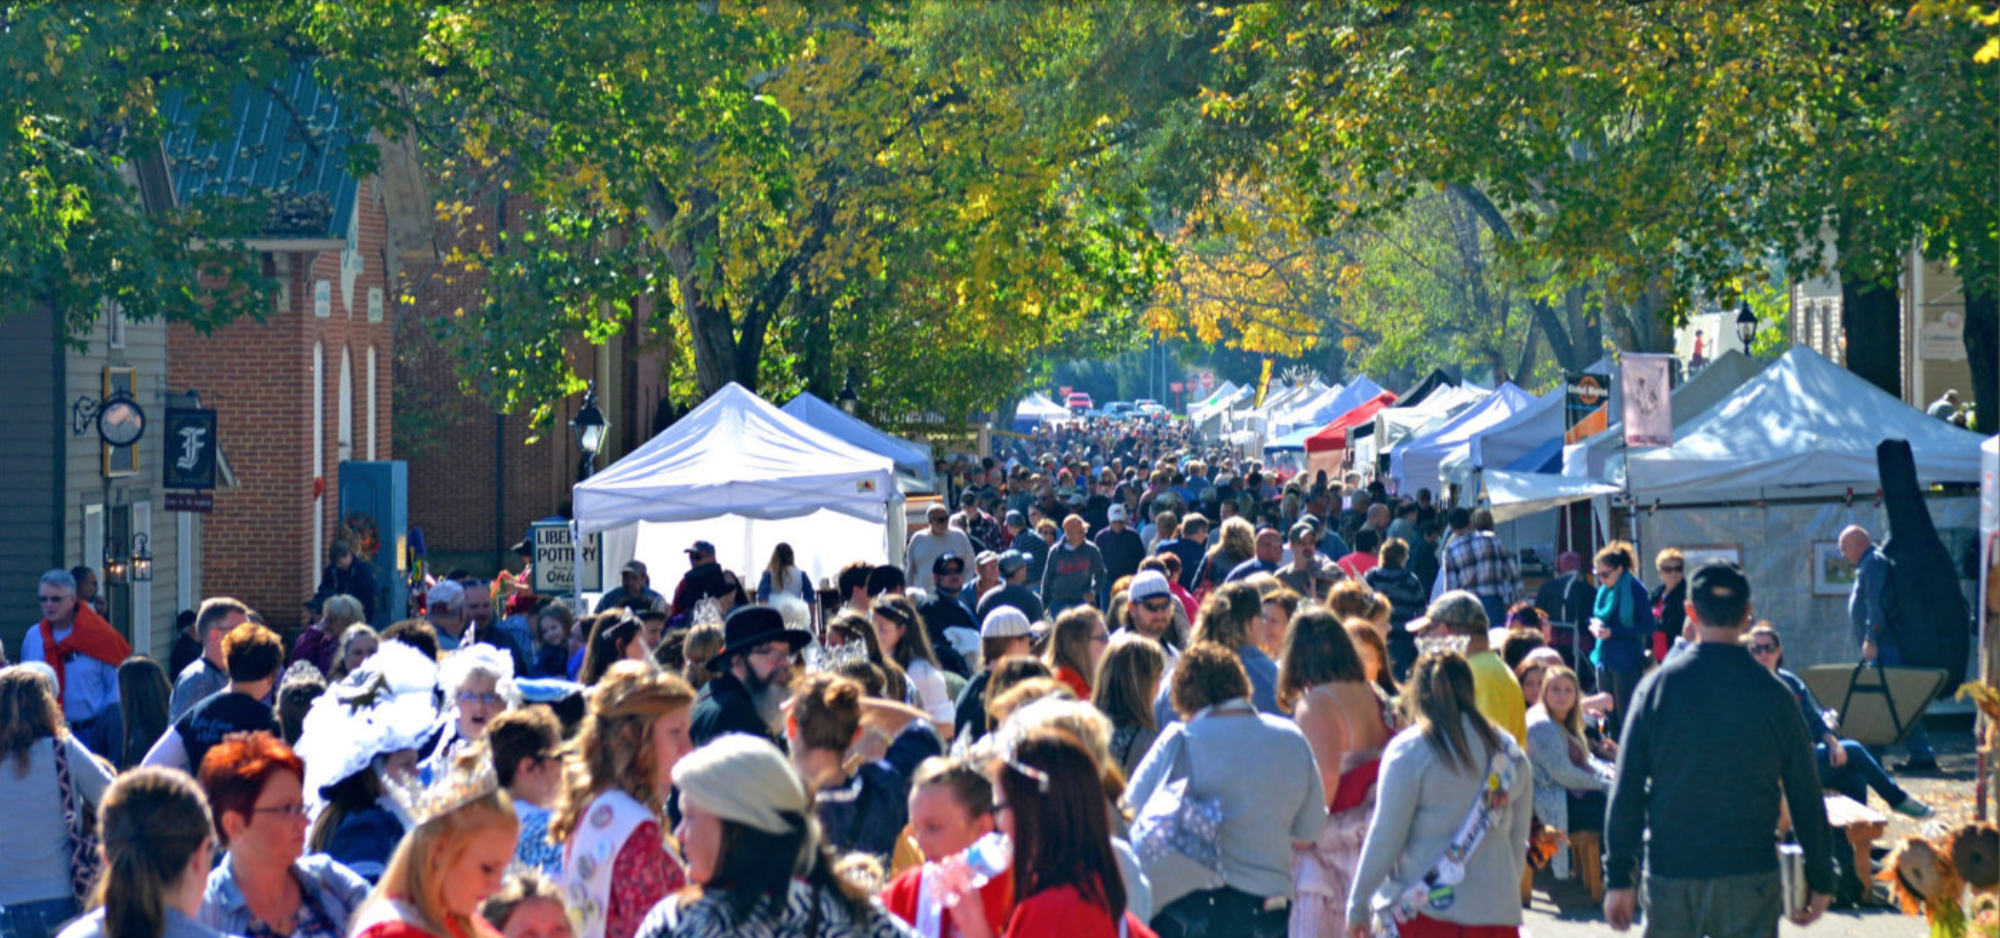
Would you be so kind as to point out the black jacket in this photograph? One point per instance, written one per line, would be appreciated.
(358, 581)
(725, 706)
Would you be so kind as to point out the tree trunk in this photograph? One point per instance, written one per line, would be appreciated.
(1870, 318)
(1982, 348)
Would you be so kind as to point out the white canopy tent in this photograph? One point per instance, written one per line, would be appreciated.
(1038, 407)
(1299, 414)
(1354, 394)
(744, 476)
(913, 460)
(1699, 393)
(1414, 464)
(1803, 422)
(1508, 440)
(1225, 392)
(1393, 425)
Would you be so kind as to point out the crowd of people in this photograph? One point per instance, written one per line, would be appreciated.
(1126, 688)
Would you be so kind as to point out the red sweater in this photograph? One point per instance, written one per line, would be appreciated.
(900, 898)
(1063, 912)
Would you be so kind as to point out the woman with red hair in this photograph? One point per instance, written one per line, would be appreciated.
(267, 887)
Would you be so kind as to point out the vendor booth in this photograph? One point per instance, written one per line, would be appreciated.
(1326, 446)
(1414, 464)
(1036, 410)
(915, 470)
(744, 476)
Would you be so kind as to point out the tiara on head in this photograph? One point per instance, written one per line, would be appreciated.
(820, 657)
(470, 778)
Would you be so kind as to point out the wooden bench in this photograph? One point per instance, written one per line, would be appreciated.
(1861, 824)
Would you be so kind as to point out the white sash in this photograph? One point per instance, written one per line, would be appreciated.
(588, 857)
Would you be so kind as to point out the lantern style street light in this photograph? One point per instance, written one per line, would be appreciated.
(142, 559)
(1746, 325)
(589, 426)
(847, 399)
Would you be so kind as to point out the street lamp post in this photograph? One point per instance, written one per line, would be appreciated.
(1746, 326)
(589, 426)
(142, 559)
(847, 399)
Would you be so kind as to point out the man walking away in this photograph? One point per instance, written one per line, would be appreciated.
(1711, 739)
(1872, 607)
(1075, 572)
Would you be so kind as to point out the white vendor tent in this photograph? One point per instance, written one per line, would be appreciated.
(1414, 464)
(912, 459)
(1393, 425)
(1037, 407)
(1225, 392)
(1695, 396)
(1803, 422)
(743, 475)
(1508, 440)
(1299, 414)
(1354, 394)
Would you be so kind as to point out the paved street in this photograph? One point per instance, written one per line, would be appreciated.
(1570, 914)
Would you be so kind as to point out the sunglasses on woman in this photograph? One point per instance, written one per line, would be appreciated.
(1762, 648)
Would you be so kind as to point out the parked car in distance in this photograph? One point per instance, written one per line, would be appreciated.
(1079, 402)
(1119, 410)
(1150, 408)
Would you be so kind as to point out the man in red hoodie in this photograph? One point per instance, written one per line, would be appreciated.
(84, 651)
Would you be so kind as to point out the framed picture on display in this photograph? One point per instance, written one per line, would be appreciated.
(1832, 575)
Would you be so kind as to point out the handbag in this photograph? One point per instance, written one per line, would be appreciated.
(84, 859)
(1177, 836)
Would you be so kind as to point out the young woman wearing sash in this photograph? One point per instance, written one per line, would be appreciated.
(610, 815)
(1450, 832)
(452, 859)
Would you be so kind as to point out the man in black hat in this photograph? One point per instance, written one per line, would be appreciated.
(633, 583)
(704, 578)
(753, 676)
(951, 626)
(1013, 589)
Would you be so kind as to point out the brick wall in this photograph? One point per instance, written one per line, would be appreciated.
(475, 483)
(258, 545)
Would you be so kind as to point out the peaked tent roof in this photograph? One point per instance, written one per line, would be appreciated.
(1708, 387)
(1333, 436)
(1803, 421)
(1397, 424)
(736, 455)
(1425, 388)
(1416, 462)
(1037, 406)
(1358, 392)
(910, 457)
(1520, 434)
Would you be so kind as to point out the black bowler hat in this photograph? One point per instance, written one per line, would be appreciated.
(750, 626)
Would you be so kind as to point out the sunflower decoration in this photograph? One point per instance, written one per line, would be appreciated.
(1974, 850)
(1921, 877)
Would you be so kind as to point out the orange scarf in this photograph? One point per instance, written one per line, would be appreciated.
(91, 636)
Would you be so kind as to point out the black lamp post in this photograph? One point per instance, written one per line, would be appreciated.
(589, 427)
(847, 399)
(1746, 325)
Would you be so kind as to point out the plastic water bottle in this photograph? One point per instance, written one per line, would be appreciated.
(988, 857)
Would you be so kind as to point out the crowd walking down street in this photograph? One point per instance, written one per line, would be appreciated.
(1289, 739)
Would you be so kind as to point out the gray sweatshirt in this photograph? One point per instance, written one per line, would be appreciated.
(1074, 575)
(1420, 804)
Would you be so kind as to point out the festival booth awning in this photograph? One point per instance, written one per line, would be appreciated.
(1220, 394)
(912, 459)
(1356, 393)
(1704, 390)
(1425, 388)
(744, 476)
(1509, 440)
(1294, 441)
(1396, 424)
(1519, 494)
(1300, 413)
(1414, 464)
(1325, 446)
(1803, 422)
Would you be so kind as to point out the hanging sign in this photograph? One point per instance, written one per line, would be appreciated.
(1644, 386)
(1586, 405)
(189, 461)
(557, 565)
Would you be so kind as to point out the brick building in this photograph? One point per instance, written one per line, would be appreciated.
(475, 480)
(311, 386)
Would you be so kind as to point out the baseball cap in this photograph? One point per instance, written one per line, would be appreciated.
(946, 559)
(1115, 513)
(985, 557)
(1005, 622)
(703, 548)
(1458, 610)
(445, 593)
(1016, 520)
(1011, 561)
(1147, 584)
(635, 566)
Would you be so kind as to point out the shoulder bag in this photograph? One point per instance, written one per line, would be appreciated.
(84, 859)
(1177, 834)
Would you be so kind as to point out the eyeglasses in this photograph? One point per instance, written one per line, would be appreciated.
(490, 699)
(774, 650)
(53, 599)
(294, 809)
(1762, 648)
(1158, 605)
(1672, 568)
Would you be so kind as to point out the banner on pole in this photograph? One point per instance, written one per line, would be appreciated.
(1586, 405)
(1644, 383)
(1263, 385)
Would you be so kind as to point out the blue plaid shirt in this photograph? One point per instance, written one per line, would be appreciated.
(1477, 561)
